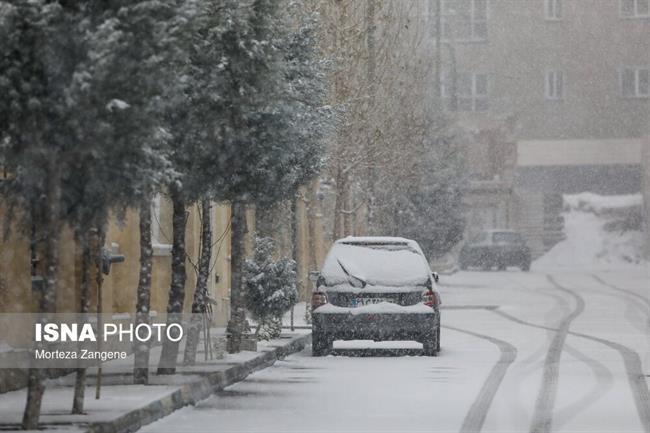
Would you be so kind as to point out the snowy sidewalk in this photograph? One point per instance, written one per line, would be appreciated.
(125, 407)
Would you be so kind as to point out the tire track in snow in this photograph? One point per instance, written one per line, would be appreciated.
(604, 379)
(632, 293)
(475, 417)
(534, 362)
(643, 299)
(561, 307)
(631, 362)
(603, 376)
(543, 413)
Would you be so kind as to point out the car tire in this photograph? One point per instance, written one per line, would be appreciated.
(321, 343)
(430, 345)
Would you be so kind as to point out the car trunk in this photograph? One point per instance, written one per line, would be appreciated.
(365, 297)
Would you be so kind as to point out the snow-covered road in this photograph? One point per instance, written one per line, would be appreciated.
(522, 352)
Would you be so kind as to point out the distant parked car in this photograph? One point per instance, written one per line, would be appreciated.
(375, 288)
(500, 248)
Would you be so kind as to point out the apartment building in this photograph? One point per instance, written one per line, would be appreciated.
(556, 95)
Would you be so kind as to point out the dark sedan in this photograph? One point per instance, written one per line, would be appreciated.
(375, 288)
(500, 248)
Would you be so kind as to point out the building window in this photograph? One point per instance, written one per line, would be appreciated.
(553, 9)
(635, 82)
(161, 225)
(464, 20)
(471, 91)
(554, 85)
(635, 8)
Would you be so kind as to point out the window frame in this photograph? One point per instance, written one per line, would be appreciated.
(554, 96)
(159, 240)
(555, 5)
(473, 21)
(636, 70)
(473, 96)
(635, 13)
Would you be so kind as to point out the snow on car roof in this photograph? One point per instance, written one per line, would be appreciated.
(377, 240)
(387, 261)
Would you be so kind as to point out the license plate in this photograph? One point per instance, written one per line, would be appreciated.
(359, 302)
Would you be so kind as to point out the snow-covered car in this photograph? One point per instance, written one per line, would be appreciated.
(375, 288)
(500, 248)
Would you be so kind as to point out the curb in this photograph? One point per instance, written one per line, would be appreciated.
(191, 393)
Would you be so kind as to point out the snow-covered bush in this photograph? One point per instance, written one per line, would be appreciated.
(270, 288)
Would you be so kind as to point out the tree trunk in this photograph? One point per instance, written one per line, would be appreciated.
(313, 213)
(84, 306)
(339, 206)
(370, 146)
(295, 244)
(167, 364)
(141, 349)
(237, 322)
(201, 289)
(99, 278)
(35, 386)
(264, 221)
(349, 215)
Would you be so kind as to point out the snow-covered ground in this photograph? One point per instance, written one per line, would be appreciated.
(540, 351)
(596, 234)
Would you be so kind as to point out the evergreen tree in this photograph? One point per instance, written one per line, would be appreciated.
(37, 60)
(244, 130)
(79, 132)
(270, 287)
(124, 161)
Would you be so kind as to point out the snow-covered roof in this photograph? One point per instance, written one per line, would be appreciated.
(590, 201)
(579, 152)
(381, 261)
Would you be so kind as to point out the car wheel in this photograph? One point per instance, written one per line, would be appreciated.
(321, 343)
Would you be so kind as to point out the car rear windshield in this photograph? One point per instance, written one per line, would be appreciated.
(506, 237)
(376, 264)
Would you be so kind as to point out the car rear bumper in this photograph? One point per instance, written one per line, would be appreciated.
(375, 326)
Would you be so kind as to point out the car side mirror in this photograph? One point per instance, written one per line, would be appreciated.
(436, 277)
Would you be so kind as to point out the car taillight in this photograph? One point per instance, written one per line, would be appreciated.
(318, 299)
(430, 298)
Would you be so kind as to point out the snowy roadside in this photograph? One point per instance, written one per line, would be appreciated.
(126, 407)
(601, 232)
